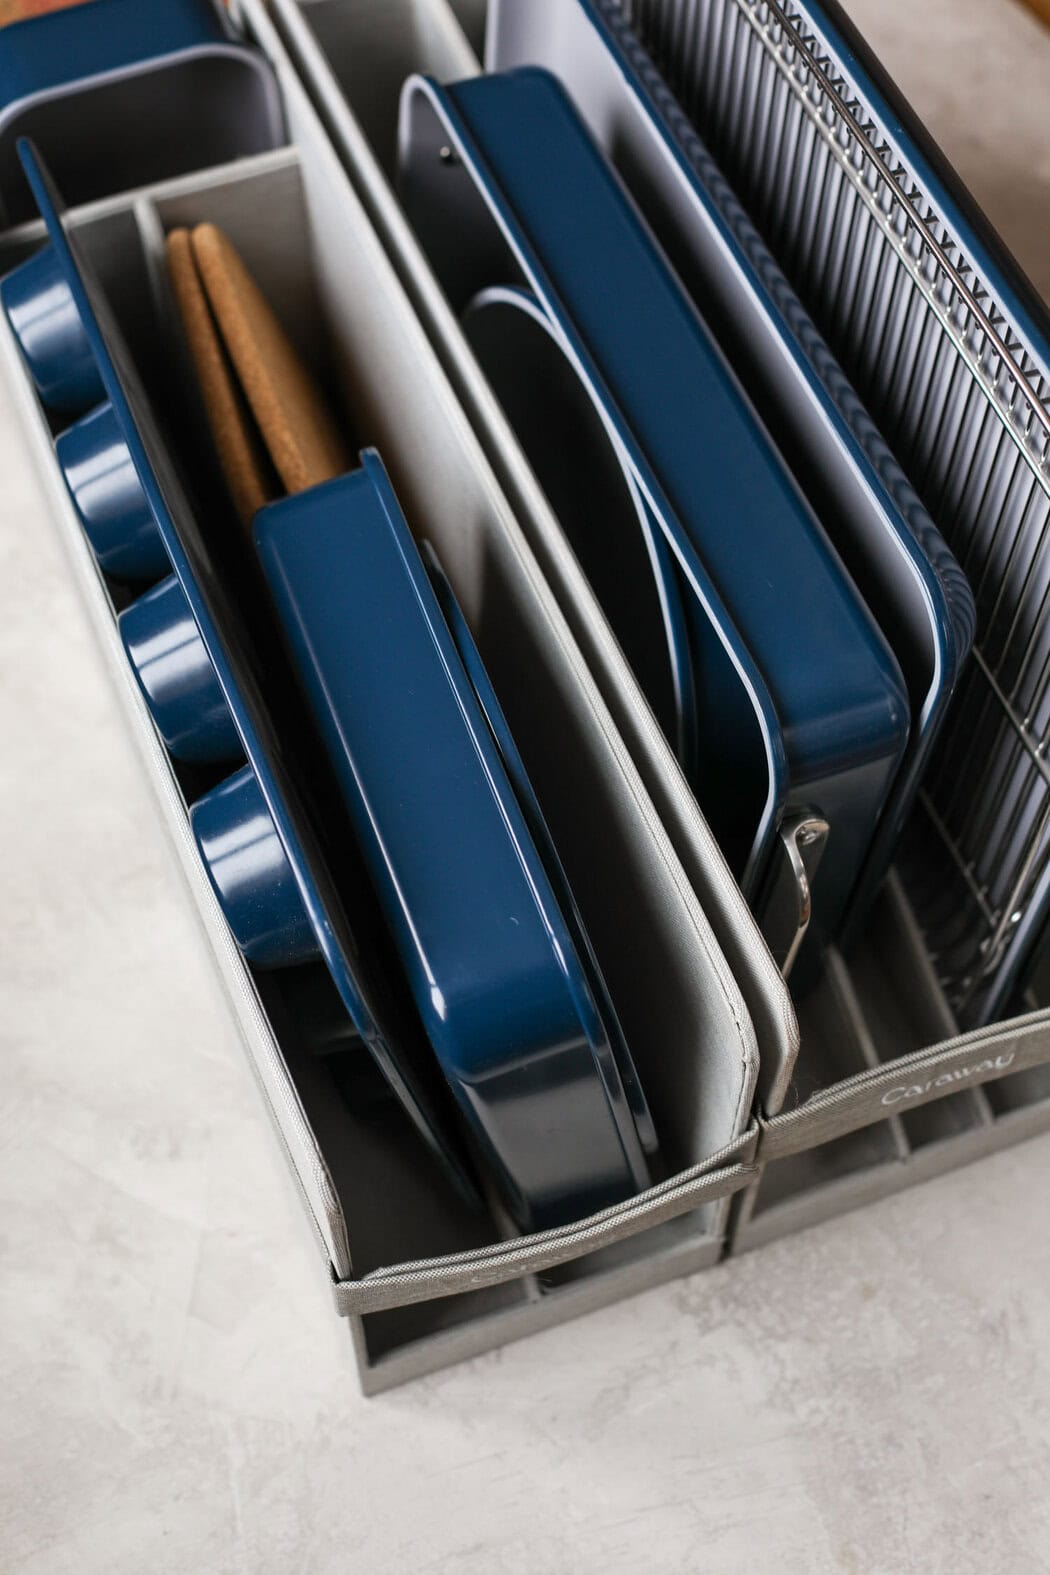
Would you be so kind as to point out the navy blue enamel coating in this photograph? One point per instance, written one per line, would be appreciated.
(724, 480)
(933, 647)
(706, 461)
(176, 676)
(40, 308)
(489, 959)
(329, 922)
(253, 879)
(575, 936)
(105, 487)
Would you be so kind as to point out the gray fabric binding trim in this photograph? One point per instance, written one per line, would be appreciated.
(427, 1278)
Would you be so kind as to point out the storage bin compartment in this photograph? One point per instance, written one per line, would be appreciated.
(303, 264)
(375, 45)
(128, 75)
(426, 1278)
(375, 1197)
(884, 997)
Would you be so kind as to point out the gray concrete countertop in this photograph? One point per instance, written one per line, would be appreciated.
(176, 1395)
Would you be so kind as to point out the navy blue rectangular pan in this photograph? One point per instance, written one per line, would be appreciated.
(508, 995)
(508, 191)
(948, 346)
(919, 595)
(255, 830)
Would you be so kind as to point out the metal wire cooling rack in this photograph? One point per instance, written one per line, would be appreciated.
(959, 388)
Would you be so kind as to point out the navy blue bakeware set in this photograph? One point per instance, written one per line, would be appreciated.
(795, 617)
(508, 994)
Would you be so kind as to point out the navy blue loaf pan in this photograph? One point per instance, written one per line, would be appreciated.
(496, 976)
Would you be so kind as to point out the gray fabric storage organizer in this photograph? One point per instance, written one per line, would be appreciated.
(885, 1091)
(843, 1145)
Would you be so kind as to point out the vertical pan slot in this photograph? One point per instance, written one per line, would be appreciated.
(836, 1045)
(394, 1197)
(300, 233)
(371, 46)
(473, 17)
(905, 1009)
(125, 249)
(694, 1238)
(1021, 1090)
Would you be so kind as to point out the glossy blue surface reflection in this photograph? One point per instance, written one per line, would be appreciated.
(105, 487)
(253, 879)
(575, 937)
(491, 964)
(41, 310)
(176, 675)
